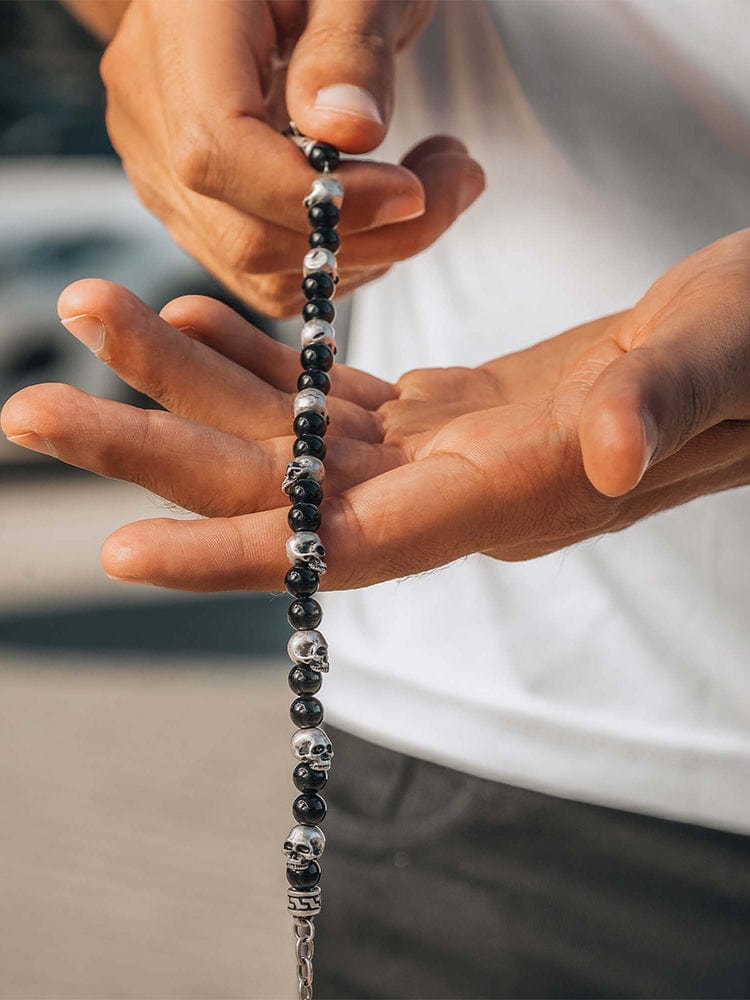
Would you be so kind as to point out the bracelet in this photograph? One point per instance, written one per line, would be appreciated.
(307, 648)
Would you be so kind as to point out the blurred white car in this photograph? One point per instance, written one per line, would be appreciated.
(63, 219)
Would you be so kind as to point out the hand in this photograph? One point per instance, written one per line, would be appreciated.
(685, 368)
(445, 463)
(197, 96)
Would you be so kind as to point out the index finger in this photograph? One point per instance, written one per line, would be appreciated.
(223, 146)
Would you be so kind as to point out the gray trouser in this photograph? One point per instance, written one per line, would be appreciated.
(437, 884)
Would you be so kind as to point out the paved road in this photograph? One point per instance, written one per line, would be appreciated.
(144, 798)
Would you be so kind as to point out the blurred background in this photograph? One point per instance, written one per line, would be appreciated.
(144, 769)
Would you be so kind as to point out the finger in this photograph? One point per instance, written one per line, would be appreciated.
(370, 533)
(181, 374)
(278, 295)
(712, 453)
(201, 469)
(185, 376)
(341, 75)
(220, 141)
(654, 495)
(690, 373)
(189, 464)
(219, 327)
(239, 247)
(452, 182)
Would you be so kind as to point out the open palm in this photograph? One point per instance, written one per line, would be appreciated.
(444, 463)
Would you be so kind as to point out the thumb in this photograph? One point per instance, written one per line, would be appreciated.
(691, 371)
(340, 78)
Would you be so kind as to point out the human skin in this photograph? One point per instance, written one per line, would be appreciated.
(519, 457)
(205, 151)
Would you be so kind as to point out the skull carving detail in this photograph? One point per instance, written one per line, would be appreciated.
(306, 547)
(305, 465)
(320, 260)
(325, 189)
(303, 845)
(317, 331)
(314, 748)
(309, 399)
(309, 646)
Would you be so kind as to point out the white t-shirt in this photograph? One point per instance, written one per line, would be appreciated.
(616, 140)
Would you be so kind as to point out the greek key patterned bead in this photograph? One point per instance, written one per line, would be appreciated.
(304, 902)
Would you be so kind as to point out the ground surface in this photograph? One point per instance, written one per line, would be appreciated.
(144, 793)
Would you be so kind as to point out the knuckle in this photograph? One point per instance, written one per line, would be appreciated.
(63, 413)
(277, 295)
(248, 251)
(355, 37)
(193, 159)
(277, 309)
(108, 65)
(693, 393)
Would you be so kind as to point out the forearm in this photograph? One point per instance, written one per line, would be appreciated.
(100, 17)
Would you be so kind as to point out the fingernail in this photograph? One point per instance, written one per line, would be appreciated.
(348, 99)
(34, 442)
(650, 440)
(88, 329)
(399, 208)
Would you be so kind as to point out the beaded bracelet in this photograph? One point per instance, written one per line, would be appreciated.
(307, 648)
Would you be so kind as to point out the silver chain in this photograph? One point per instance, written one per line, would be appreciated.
(304, 934)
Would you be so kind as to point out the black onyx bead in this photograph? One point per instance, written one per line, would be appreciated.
(310, 422)
(305, 879)
(308, 780)
(304, 613)
(305, 680)
(306, 490)
(319, 285)
(324, 156)
(325, 213)
(318, 309)
(327, 238)
(314, 379)
(304, 517)
(306, 712)
(301, 581)
(309, 808)
(310, 444)
(317, 357)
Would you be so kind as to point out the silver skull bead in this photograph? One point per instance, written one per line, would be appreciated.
(317, 331)
(314, 748)
(306, 547)
(320, 259)
(309, 399)
(305, 465)
(309, 646)
(325, 189)
(303, 845)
